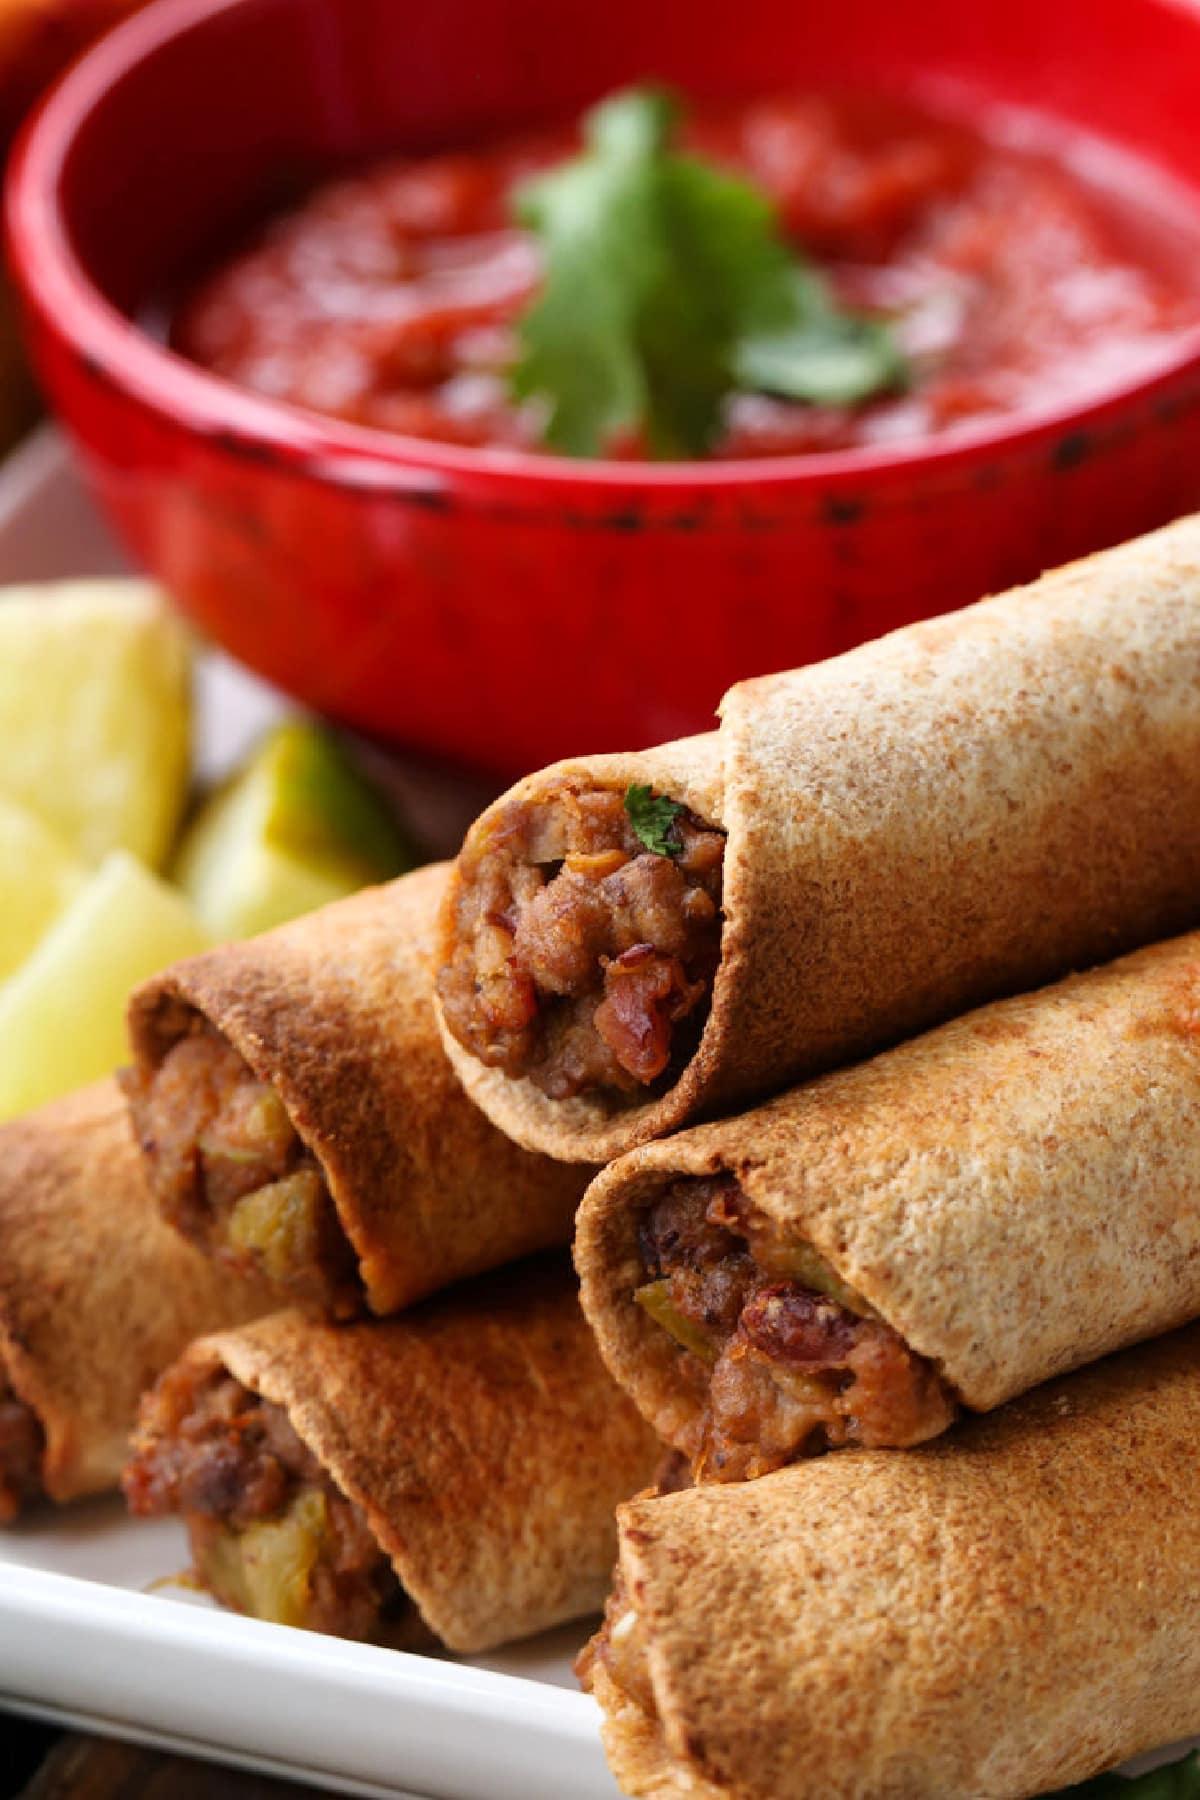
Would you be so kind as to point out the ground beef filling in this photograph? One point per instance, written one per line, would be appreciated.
(232, 1175)
(22, 1444)
(271, 1535)
(784, 1360)
(584, 961)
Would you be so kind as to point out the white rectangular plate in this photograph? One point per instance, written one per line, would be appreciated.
(83, 1640)
(80, 1633)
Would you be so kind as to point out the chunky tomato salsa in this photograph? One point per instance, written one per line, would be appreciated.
(390, 298)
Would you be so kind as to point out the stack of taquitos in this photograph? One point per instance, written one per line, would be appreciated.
(965, 808)
(300, 1118)
(1006, 1611)
(455, 1469)
(1010, 1196)
(97, 1296)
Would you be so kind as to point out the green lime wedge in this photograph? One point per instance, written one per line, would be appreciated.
(298, 826)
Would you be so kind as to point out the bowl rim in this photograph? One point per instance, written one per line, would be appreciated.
(56, 284)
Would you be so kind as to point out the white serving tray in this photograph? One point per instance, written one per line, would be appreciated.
(83, 1640)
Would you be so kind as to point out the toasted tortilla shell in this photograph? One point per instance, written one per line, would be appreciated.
(479, 1433)
(97, 1295)
(1001, 1613)
(964, 809)
(1015, 1193)
(334, 1011)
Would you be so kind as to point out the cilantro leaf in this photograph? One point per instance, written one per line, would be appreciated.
(653, 818)
(1175, 1781)
(596, 230)
(666, 286)
(820, 354)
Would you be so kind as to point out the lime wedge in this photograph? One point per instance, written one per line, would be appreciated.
(299, 826)
(38, 876)
(62, 1014)
(95, 713)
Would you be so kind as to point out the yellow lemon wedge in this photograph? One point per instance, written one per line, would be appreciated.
(95, 713)
(62, 1013)
(38, 877)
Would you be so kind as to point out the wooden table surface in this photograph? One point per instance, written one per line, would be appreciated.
(39, 1763)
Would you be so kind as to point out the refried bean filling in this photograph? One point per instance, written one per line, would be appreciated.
(231, 1173)
(22, 1444)
(584, 960)
(271, 1534)
(784, 1360)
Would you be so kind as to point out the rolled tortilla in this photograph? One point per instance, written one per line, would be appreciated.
(984, 1618)
(403, 1185)
(1010, 1195)
(964, 809)
(478, 1436)
(97, 1296)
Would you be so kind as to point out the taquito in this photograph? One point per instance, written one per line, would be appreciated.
(1000, 1200)
(966, 808)
(455, 1469)
(1004, 1612)
(97, 1296)
(300, 1118)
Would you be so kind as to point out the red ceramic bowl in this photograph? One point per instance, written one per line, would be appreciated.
(495, 607)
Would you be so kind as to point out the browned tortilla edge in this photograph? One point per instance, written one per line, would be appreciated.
(994, 1616)
(481, 1436)
(335, 1011)
(97, 1296)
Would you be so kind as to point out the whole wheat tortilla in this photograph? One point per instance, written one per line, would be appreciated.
(97, 1295)
(479, 1433)
(966, 808)
(334, 1011)
(1001, 1613)
(1016, 1193)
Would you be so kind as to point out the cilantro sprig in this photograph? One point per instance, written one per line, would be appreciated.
(1175, 1781)
(653, 818)
(667, 286)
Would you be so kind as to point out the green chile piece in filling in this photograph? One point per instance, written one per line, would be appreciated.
(279, 1225)
(654, 1297)
(266, 1569)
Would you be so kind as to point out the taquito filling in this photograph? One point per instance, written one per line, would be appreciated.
(783, 1360)
(620, 1646)
(22, 1446)
(271, 1534)
(584, 960)
(233, 1175)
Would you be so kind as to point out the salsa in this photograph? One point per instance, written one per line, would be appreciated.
(389, 298)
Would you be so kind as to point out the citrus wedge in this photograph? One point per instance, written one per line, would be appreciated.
(38, 876)
(297, 827)
(95, 713)
(62, 1014)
